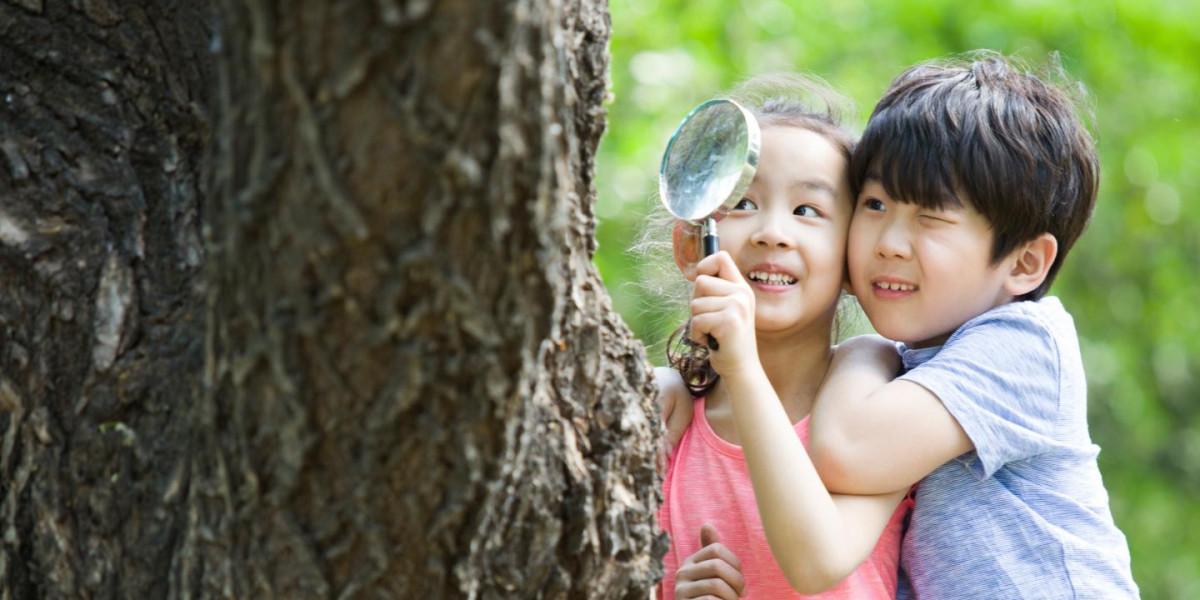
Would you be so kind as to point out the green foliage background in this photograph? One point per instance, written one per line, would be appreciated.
(1130, 282)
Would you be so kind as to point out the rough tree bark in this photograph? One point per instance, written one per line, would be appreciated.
(393, 372)
(102, 125)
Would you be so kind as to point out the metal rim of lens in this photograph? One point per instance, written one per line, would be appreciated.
(749, 165)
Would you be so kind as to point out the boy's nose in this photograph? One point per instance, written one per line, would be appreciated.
(893, 242)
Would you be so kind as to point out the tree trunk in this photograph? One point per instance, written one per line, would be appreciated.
(102, 126)
(398, 375)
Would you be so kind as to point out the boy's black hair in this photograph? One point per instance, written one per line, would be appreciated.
(985, 131)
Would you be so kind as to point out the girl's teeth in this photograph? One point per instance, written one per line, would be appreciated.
(896, 286)
(771, 278)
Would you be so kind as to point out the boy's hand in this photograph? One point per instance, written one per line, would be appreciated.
(723, 307)
(713, 572)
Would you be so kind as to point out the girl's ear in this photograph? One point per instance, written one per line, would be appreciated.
(686, 242)
(1030, 263)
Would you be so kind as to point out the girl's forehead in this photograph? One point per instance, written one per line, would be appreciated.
(799, 142)
(796, 156)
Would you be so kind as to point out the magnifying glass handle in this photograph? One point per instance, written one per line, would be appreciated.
(711, 244)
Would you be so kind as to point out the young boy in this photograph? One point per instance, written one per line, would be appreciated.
(975, 179)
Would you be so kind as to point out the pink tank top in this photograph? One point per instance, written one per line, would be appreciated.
(707, 482)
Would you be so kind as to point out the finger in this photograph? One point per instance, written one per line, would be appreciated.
(711, 304)
(704, 326)
(716, 551)
(719, 265)
(708, 535)
(717, 318)
(705, 588)
(710, 265)
(727, 572)
(708, 285)
(726, 268)
(721, 569)
(711, 577)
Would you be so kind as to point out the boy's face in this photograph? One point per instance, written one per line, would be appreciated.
(919, 273)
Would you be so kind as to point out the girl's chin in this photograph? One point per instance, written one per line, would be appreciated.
(779, 324)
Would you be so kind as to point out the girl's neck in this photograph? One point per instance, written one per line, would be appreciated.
(796, 368)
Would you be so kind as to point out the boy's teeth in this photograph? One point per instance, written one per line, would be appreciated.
(771, 278)
(896, 286)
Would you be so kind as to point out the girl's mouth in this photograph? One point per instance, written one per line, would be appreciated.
(770, 278)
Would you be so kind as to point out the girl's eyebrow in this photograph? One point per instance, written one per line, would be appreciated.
(816, 185)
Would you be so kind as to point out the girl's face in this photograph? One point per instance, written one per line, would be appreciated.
(788, 235)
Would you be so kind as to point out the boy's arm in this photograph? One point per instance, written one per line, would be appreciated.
(994, 388)
(861, 365)
(883, 440)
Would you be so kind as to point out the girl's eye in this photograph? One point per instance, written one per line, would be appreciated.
(806, 210)
(873, 204)
(745, 204)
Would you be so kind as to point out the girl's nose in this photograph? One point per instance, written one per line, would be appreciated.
(769, 233)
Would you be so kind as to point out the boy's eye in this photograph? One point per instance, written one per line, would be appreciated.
(745, 204)
(806, 210)
(873, 204)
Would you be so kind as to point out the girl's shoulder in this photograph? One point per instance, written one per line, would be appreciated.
(675, 404)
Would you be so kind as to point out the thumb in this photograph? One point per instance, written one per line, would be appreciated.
(708, 535)
(727, 269)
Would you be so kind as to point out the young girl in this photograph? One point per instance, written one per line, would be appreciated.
(771, 296)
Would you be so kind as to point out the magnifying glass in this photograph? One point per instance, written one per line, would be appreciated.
(707, 166)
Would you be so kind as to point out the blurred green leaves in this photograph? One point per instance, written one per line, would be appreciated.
(1131, 281)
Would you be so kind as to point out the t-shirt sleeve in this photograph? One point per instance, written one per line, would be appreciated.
(999, 377)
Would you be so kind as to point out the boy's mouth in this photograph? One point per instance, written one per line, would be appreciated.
(896, 286)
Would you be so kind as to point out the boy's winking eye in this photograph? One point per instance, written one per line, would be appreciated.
(939, 217)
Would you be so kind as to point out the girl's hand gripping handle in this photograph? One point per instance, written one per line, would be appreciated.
(723, 307)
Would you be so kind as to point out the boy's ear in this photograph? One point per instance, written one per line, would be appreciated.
(1030, 264)
(686, 242)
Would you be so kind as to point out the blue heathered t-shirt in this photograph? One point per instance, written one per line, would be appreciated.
(1025, 514)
